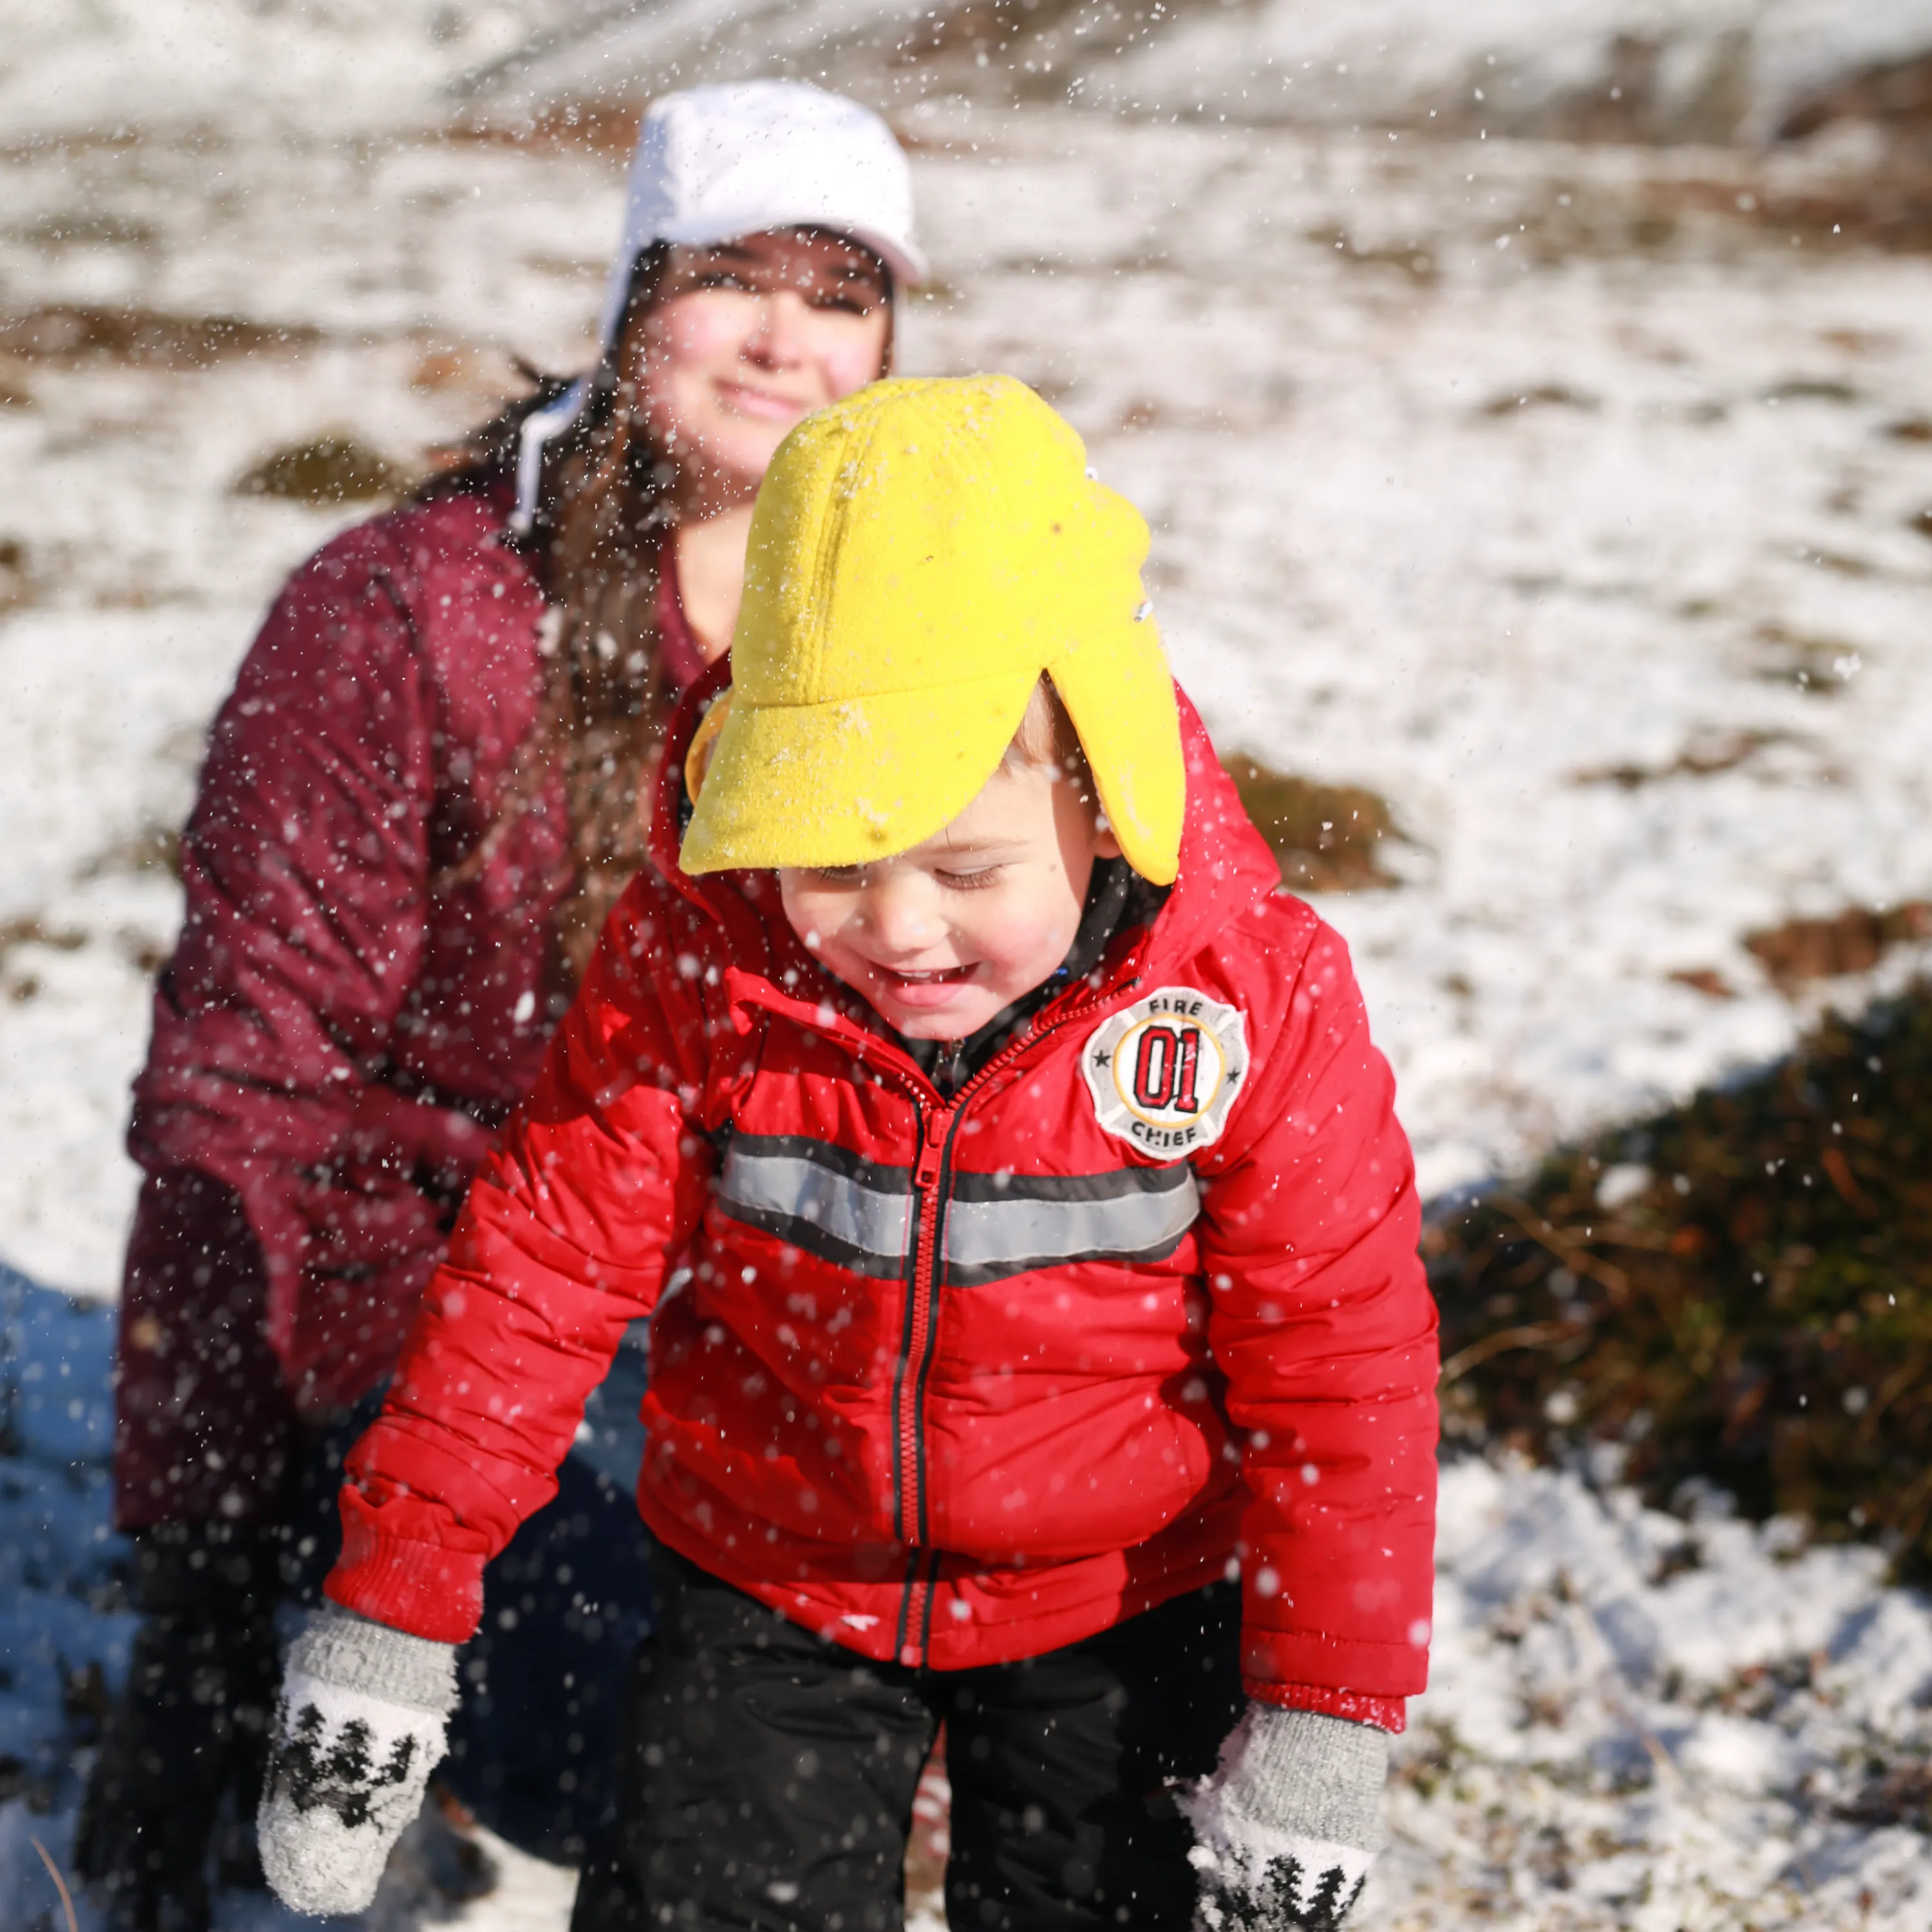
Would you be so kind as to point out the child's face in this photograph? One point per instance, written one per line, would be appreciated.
(940, 938)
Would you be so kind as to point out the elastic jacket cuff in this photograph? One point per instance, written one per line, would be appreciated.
(419, 1588)
(1386, 1714)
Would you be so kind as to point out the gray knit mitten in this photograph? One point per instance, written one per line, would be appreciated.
(361, 1724)
(1287, 1828)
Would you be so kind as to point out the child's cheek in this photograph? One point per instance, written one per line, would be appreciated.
(1022, 940)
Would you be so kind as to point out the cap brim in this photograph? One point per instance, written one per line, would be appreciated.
(849, 782)
(908, 265)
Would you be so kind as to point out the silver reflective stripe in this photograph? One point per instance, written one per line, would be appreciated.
(1134, 1214)
(815, 1205)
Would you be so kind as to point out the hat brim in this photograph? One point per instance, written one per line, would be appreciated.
(906, 262)
(849, 782)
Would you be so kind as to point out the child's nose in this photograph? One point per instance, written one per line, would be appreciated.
(902, 916)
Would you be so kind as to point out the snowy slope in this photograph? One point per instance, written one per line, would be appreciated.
(1695, 69)
(1669, 69)
(101, 65)
(1707, 69)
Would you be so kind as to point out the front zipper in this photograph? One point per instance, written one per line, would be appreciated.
(919, 1335)
(917, 1339)
(915, 1348)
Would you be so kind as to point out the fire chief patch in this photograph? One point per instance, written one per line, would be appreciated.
(1164, 1071)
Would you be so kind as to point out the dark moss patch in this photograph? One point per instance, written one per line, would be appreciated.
(1412, 258)
(1811, 389)
(1898, 1795)
(1328, 838)
(1739, 1290)
(1538, 396)
(69, 334)
(15, 581)
(1818, 666)
(329, 470)
(82, 228)
(1702, 758)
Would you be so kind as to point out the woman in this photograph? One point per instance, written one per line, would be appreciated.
(419, 801)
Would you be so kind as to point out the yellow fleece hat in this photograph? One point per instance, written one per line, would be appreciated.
(920, 554)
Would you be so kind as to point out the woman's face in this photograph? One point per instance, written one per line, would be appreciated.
(744, 338)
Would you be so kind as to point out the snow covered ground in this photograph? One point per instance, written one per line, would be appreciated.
(1549, 492)
(1638, 1720)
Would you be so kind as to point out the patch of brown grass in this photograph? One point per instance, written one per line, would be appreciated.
(1887, 207)
(1894, 94)
(152, 848)
(1851, 941)
(67, 334)
(607, 128)
(1705, 980)
(326, 469)
(1328, 838)
(33, 931)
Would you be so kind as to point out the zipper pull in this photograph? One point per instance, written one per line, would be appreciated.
(932, 1148)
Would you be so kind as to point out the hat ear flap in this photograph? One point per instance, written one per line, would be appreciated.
(703, 742)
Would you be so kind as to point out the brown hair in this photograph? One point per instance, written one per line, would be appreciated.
(1046, 737)
(596, 543)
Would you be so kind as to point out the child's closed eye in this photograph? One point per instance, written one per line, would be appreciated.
(970, 880)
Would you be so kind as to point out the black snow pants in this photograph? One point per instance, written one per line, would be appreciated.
(766, 1775)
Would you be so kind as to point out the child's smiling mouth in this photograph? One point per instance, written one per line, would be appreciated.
(927, 988)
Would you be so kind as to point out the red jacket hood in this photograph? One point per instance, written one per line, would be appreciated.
(952, 1379)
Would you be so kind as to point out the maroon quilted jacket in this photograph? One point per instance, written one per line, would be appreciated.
(953, 1379)
(342, 1027)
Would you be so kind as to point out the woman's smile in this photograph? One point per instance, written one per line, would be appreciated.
(767, 405)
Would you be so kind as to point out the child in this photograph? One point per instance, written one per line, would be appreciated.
(1031, 1245)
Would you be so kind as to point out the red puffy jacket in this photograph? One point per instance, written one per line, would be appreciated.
(344, 1024)
(953, 1382)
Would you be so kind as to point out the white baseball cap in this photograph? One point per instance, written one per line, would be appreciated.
(716, 163)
